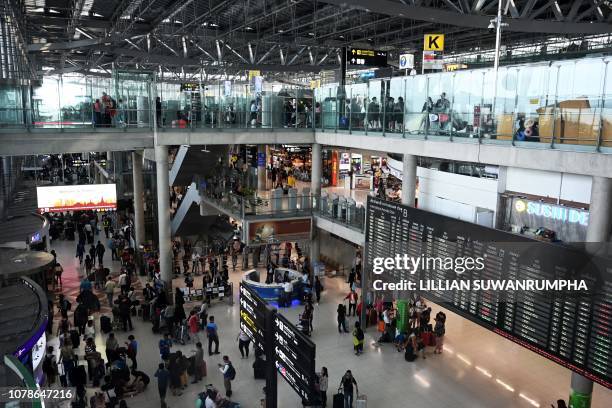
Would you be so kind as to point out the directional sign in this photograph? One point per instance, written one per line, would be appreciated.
(406, 61)
(366, 58)
(434, 42)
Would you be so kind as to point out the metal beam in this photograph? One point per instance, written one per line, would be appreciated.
(236, 53)
(527, 8)
(267, 53)
(438, 16)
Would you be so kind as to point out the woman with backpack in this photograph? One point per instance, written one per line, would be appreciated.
(358, 338)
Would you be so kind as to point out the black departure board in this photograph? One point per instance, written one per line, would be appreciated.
(292, 352)
(253, 312)
(570, 328)
(295, 357)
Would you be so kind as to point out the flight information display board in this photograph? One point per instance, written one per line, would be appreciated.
(295, 357)
(253, 311)
(573, 329)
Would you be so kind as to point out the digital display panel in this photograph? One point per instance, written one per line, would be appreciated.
(572, 329)
(295, 357)
(77, 197)
(252, 316)
(366, 58)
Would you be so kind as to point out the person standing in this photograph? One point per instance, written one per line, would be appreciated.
(198, 369)
(439, 331)
(352, 298)
(92, 254)
(49, 367)
(323, 384)
(111, 347)
(64, 306)
(318, 287)
(229, 373)
(100, 252)
(80, 317)
(125, 307)
(163, 377)
(109, 290)
(347, 386)
(164, 347)
(341, 316)
(123, 281)
(194, 326)
(213, 335)
(243, 344)
(132, 351)
(358, 338)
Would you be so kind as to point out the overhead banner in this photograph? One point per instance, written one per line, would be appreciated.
(292, 229)
(366, 58)
(77, 197)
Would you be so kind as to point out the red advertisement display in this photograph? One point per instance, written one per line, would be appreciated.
(77, 197)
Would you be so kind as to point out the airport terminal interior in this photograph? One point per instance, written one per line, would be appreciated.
(305, 203)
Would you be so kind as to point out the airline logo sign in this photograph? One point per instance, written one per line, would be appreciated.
(434, 42)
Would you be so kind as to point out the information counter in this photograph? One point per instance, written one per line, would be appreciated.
(274, 291)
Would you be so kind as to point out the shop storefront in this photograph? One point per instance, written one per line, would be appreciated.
(544, 220)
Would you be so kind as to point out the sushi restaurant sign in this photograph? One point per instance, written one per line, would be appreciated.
(554, 212)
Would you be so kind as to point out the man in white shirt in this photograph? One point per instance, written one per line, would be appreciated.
(288, 292)
(195, 262)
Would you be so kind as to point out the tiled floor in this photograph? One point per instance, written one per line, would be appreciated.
(471, 373)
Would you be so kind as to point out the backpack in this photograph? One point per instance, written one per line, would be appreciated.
(231, 372)
(359, 335)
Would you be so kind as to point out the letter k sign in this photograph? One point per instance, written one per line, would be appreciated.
(434, 42)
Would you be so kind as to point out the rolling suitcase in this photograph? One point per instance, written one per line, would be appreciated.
(338, 400)
(361, 401)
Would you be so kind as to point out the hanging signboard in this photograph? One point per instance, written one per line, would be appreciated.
(433, 42)
(433, 60)
(406, 61)
(366, 58)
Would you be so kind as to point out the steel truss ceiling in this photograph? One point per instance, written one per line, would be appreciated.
(227, 36)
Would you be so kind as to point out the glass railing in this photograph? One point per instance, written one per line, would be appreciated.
(254, 206)
(551, 104)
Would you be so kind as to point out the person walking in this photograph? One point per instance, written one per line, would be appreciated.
(132, 350)
(199, 364)
(213, 335)
(323, 384)
(163, 377)
(112, 345)
(49, 367)
(347, 386)
(358, 338)
(341, 316)
(243, 344)
(229, 374)
(80, 252)
(318, 287)
(109, 290)
(100, 253)
(80, 317)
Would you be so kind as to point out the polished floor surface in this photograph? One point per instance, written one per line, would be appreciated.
(477, 369)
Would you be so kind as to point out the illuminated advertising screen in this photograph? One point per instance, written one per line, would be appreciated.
(77, 197)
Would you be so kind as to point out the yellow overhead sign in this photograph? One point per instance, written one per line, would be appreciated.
(434, 42)
(254, 73)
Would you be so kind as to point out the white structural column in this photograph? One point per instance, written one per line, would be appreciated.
(163, 216)
(600, 216)
(261, 167)
(409, 175)
(597, 237)
(315, 190)
(138, 197)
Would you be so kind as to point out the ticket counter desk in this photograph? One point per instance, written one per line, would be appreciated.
(274, 291)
